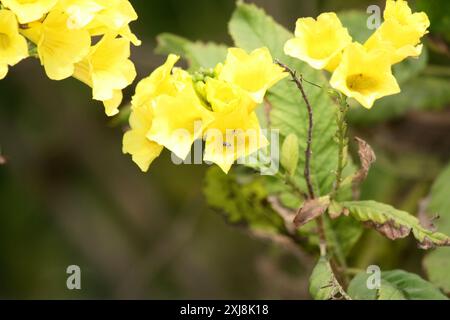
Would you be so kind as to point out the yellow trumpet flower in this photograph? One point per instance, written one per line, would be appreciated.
(13, 46)
(319, 42)
(255, 72)
(364, 75)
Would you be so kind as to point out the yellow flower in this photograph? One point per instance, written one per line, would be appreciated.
(80, 12)
(233, 135)
(29, 10)
(364, 75)
(59, 47)
(319, 42)
(401, 31)
(108, 70)
(116, 15)
(13, 46)
(158, 83)
(179, 120)
(223, 96)
(235, 132)
(255, 72)
(135, 142)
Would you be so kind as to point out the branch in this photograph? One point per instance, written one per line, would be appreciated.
(299, 82)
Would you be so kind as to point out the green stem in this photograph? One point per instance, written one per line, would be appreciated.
(342, 140)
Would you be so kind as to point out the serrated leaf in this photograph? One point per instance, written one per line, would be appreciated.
(242, 201)
(437, 263)
(251, 28)
(395, 285)
(198, 54)
(290, 154)
(393, 223)
(322, 283)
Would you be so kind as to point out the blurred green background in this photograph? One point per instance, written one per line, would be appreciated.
(69, 196)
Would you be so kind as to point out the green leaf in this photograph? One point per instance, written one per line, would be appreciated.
(342, 234)
(437, 263)
(242, 199)
(440, 200)
(251, 28)
(322, 283)
(290, 154)
(206, 55)
(395, 285)
(392, 223)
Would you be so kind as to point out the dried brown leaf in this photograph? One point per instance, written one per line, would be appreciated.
(367, 158)
(311, 210)
(390, 229)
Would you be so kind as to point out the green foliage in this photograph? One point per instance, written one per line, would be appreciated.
(395, 285)
(241, 200)
(322, 283)
(391, 222)
(437, 263)
(198, 54)
(290, 154)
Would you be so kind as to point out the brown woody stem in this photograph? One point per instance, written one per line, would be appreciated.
(307, 172)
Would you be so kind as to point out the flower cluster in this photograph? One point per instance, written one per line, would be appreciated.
(86, 39)
(360, 71)
(172, 109)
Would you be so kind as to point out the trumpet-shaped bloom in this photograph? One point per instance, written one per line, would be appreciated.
(235, 132)
(29, 10)
(233, 135)
(108, 70)
(224, 96)
(13, 46)
(178, 121)
(319, 42)
(135, 141)
(159, 82)
(59, 47)
(255, 72)
(364, 75)
(116, 15)
(80, 12)
(401, 31)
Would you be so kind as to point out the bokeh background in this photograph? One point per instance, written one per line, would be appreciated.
(69, 196)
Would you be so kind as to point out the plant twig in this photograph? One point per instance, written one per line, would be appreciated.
(308, 153)
(299, 82)
(342, 140)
